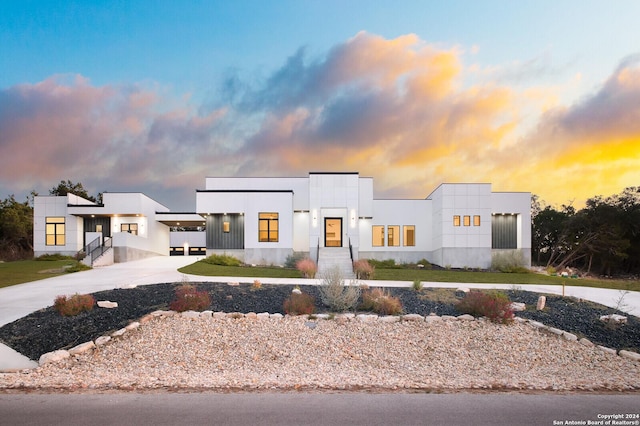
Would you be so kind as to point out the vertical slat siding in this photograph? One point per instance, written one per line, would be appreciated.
(217, 239)
(504, 232)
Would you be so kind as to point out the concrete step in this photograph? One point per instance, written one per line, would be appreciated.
(335, 257)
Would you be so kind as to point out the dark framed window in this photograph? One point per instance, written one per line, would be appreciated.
(393, 235)
(55, 231)
(131, 228)
(268, 227)
(476, 220)
(467, 221)
(456, 221)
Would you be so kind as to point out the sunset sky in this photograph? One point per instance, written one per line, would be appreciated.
(538, 96)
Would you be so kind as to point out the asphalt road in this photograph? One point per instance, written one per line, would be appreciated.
(326, 409)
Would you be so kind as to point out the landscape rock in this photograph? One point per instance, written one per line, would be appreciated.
(54, 356)
(234, 284)
(518, 306)
(633, 356)
(614, 319)
(366, 317)
(448, 318)
(190, 314)
(586, 342)
(432, 318)
(119, 333)
(82, 348)
(251, 316)
(570, 336)
(412, 317)
(276, 316)
(466, 317)
(542, 300)
(263, 316)
(607, 350)
(132, 326)
(102, 340)
(389, 318)
(206, 314)
(219, 315)
(107, 304)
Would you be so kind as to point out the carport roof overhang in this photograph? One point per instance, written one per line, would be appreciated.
(180, 219)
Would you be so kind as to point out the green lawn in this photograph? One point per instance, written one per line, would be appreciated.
(22, 271)
(400, 274)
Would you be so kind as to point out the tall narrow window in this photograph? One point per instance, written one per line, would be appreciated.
(131, 228)
(377, 232)
(467, 221)
(456, 221)
(268, 227)
(409, 235)
(476, 220)
(55, 231)
(393, 236)
(225, 226)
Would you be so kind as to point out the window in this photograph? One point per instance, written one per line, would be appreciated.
(55, 231)
(393, 237)
(98, 228)
(131, 228)
(476, 221)
(467, 221)
(225, 226)
(377, 231)
(409, 235)
(268, 227)
(456, 221)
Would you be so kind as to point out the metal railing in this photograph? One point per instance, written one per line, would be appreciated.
(95, 249)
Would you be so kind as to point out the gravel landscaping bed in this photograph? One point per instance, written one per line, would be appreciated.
(291, 353)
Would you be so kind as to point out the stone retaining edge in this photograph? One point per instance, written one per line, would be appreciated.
(61, 354)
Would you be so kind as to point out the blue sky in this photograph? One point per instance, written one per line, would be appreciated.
(131, 89)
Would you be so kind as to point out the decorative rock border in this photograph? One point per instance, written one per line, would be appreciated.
(343, 318)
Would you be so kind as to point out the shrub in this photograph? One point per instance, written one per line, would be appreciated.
(293, 258)
(381, 302)
(222, 260)
(417, 285)
(508, 262)
(426, 265)
(256, 284)
(299, 304)
(77, 267)
(384, 264)
(495, 306)
(188, 298)
(54, 256)
(307, 267)
(71, 306)
(335, 294)
(363, 269)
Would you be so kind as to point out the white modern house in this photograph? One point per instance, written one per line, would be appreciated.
(331, 217)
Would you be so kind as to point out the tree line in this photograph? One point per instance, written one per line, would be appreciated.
(601, 238)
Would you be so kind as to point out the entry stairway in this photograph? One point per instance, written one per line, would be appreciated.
(335, 257)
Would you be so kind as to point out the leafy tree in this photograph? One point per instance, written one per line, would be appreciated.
(69, 187)
(16, 228)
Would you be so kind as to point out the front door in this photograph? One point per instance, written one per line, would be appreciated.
(333, 232)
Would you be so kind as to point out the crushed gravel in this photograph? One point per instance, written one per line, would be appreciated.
(291, 353)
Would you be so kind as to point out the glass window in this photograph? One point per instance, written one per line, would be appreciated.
(268, 227)
(377, 231)
(456, 221)
(225, 226)
(409, 235)
(467, 221)
(393, 235)
(55, 231)
(98, 228)
(476, 221)
(131, 228)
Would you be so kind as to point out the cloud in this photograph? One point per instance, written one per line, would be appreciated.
(409, 113)
(109, 137)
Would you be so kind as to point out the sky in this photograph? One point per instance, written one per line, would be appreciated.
(154, 96)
